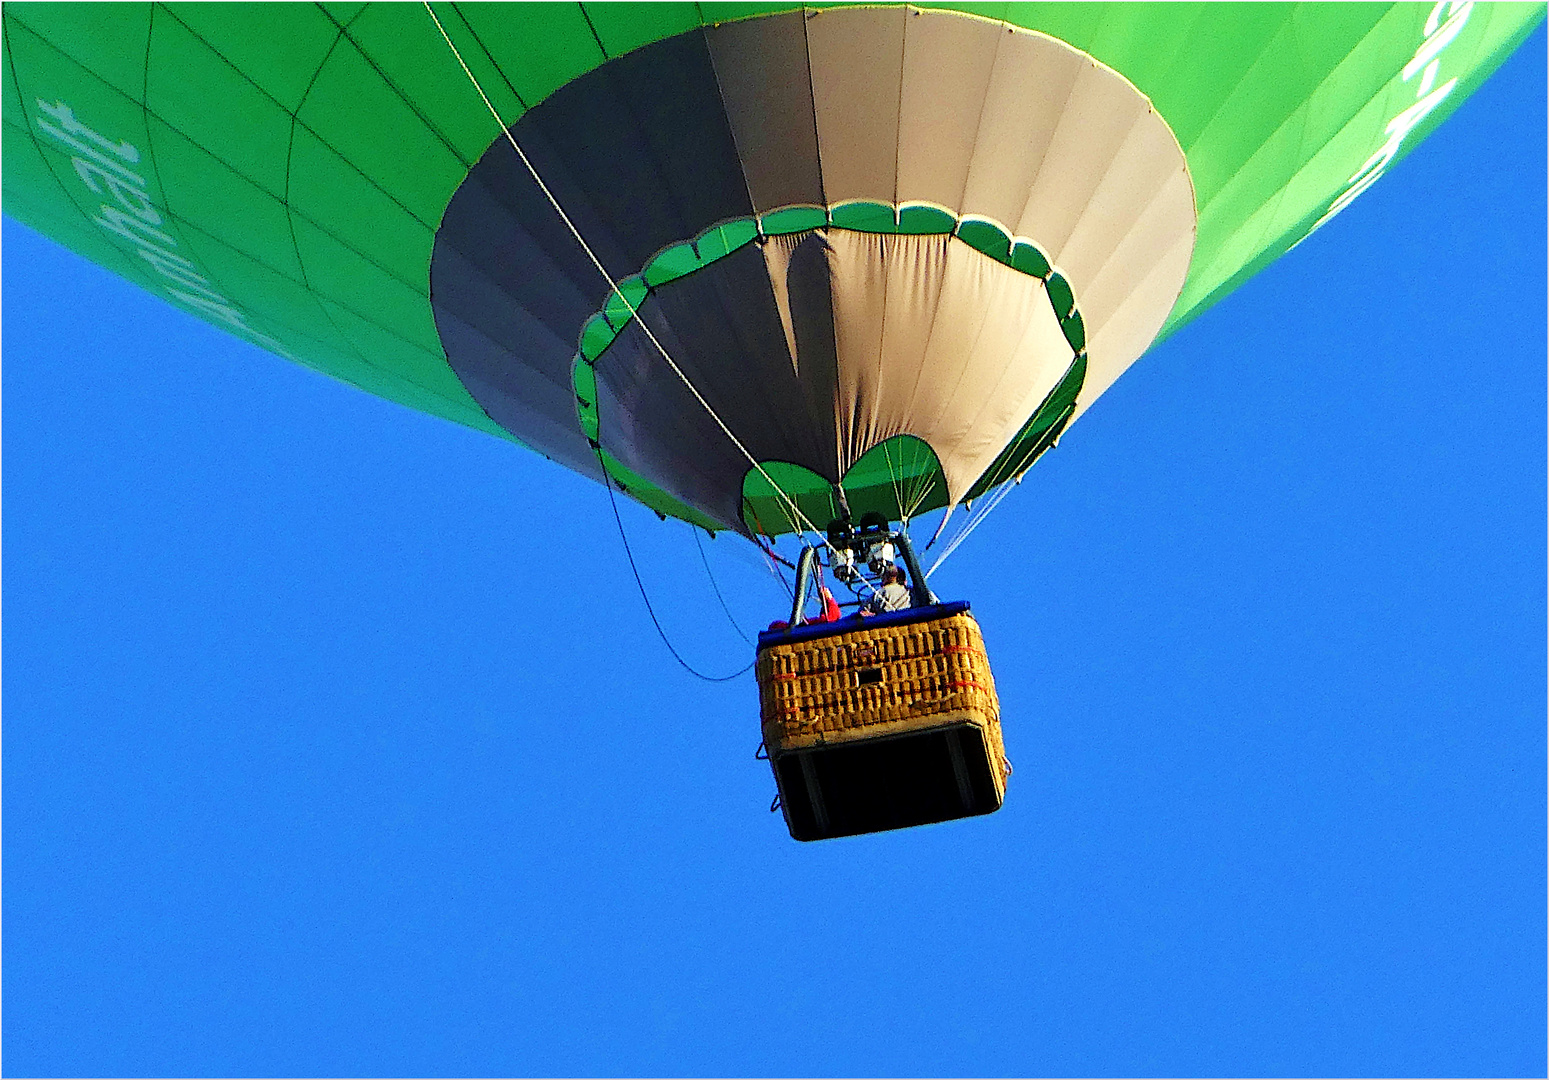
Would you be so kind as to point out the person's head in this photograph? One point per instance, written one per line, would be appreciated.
(894, 574)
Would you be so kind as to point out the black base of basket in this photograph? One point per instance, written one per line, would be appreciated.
(888, 782)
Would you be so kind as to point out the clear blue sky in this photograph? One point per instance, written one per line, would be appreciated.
(336, 738)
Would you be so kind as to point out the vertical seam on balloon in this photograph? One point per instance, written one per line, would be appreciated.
(495, 65)
(812, 99)
(720, 90)
(834, 449)
(807, 15)
(586, 16)
(145, 74)
(290, 211)
(877, 394)
(424, 120)
(1032, 184)
(984, 105)
(919, 376)
(906, 13)
(930, 338)
(898, 111)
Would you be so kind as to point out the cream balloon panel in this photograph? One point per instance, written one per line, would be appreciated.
(986, 120)
(930, 338)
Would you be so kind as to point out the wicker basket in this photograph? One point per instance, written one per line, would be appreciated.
(883, 722)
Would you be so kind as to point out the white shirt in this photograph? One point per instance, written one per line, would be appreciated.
(891, 597)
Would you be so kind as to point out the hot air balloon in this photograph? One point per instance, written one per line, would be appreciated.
(773, 270)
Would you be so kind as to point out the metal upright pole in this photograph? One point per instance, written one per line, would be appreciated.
(919, 590)
(809, 556)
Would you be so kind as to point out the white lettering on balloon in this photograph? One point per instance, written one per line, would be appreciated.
(1425, 63)
(103, 166)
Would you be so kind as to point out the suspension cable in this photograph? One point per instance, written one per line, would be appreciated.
(649, 609)
(633, 311)
(919, 500)
(1041, 444)
(716, 588)
(973, 523)
(898, 491)
(925, 482)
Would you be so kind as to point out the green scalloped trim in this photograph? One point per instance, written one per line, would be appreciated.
(899, 467)
(717, 242)
(793, 219)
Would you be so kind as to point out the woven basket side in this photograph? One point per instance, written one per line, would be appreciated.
(921, 674)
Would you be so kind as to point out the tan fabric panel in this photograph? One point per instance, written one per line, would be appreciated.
(1032, 79)
(858, 272)
(856, 59)
(1113, 208)
(924, 335)
(1139, 278)
(918, 273)
(1141, 205)
(948, 61)
(1096, 119)
(777, 255)
(995, 352)
(1023, 129)
(1124, 336)
(761, 68)
(932, 339)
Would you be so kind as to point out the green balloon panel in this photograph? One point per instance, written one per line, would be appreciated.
(283, 170)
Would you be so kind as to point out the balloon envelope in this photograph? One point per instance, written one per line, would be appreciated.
(893, 248)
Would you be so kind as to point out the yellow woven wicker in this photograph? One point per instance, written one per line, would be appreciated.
(880, 681)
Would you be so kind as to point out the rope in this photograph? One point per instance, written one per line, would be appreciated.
(651, 611)
(930, 485)
(973, 523)
(925, 480)
(633, 311)
(1042, 443)
(898, 491)
(717, 589)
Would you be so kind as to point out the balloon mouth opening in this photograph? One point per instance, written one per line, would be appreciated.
(913, 481)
